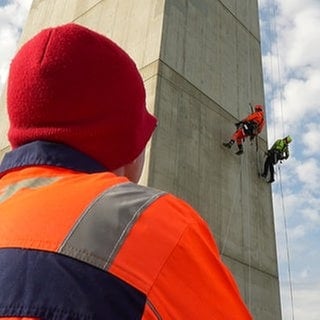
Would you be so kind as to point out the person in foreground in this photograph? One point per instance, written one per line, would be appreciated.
(279, 151)
(79, 239)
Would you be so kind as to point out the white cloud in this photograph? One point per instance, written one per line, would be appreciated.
(301, 97)
(12, 17)
(312, 215)
(311, 139)
(298, 232)
(302, 39)
(297, 221)
(305, 298)
(302, 251)
(309, 173)
(294, 61)
(304, 273)
(307, 301)
(292, 7)
(295, 110)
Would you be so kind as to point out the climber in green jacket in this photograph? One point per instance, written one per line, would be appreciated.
(279, 151)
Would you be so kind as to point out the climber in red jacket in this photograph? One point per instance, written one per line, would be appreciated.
(250, 126)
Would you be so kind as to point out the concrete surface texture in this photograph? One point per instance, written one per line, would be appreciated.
(201, 63)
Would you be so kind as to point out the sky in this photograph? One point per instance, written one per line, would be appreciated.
(290, 40)
(291, 65)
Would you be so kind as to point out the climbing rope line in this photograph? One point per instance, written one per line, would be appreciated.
(248, 224)
(281, 98)
(279, 83)
(287, 244)
(271, 29)
(249, 95)
(235, 200)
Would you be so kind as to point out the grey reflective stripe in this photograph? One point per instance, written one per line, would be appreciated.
(102, 228)
(154, 310)
(31, 183)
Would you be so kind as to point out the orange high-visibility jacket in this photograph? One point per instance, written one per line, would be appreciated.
(78, 243)
(256, 117)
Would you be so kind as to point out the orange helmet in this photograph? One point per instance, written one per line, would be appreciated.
(258, 107)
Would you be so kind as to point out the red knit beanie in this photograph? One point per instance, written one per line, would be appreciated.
(71, 85)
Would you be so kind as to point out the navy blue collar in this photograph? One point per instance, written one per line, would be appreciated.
(50, 154)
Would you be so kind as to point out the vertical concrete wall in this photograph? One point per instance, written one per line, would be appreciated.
(209, 70)
(201, 64)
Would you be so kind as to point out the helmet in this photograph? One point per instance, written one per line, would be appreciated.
(258, 107)
(288, 139)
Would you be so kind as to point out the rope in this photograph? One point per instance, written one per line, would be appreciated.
(280, 84)
(272, 30)
(235, 200)
(287, 244)
(249, 70)
(249, 242)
